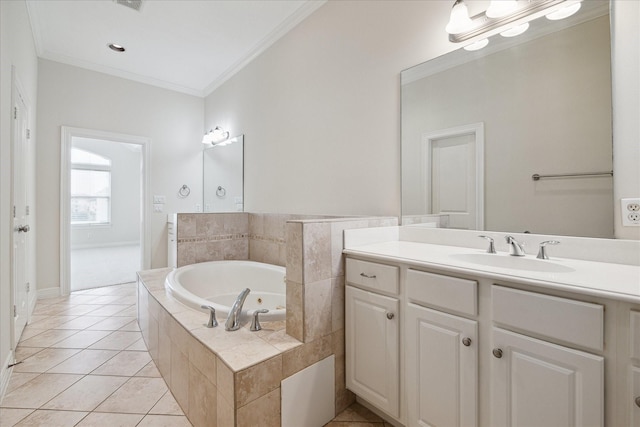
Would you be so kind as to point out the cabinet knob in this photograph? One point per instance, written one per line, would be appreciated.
(638, 401)
(497, 353)
(390, 316)
(466, 341)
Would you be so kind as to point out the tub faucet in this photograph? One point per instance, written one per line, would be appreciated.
(515, 248)
(233, 321)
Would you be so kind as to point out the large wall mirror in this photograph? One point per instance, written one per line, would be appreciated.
(477, 126)
(223, 175)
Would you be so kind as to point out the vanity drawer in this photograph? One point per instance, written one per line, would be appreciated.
(373, 276)
(567, 320)
(635, 335)
(438, 291)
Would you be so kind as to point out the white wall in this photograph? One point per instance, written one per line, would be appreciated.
(76, 97)
(626, 105)
(124, 227)
(17, 49)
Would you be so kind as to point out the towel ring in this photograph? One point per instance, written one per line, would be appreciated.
(221, 192)
(184, 191)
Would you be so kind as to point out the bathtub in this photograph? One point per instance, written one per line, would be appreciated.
(218, 283)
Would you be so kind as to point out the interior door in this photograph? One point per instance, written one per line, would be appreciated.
(453, 176)
(453, 179)
(20, 214)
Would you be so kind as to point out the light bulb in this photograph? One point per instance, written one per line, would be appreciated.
(565, 12)
(477, 45)
(515, 31)
(459, 20)
(500, 8)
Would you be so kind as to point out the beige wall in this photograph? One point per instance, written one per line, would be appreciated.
(546, 109)
(320, 108)
(71, 96)
(16, 49)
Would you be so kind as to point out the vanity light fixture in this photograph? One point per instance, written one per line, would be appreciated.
(506, 17)
(477, 45)
(116, 47)
(217, 136)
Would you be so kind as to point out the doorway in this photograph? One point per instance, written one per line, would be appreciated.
(104, 221)
(453, 175)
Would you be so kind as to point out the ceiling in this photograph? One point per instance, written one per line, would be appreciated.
(190, 46)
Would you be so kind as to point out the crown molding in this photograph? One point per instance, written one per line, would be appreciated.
(287, 25)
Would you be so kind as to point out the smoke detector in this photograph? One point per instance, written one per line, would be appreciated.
(131, 4)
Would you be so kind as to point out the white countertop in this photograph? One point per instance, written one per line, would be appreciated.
(602, 279)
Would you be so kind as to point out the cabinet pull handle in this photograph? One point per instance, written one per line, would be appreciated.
(367, 276)
(638, 401)
(497, 353)
(390, 316)
(466, 341)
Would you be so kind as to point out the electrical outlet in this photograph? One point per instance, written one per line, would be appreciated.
(158, 207)
(630, 209)
(159, 199)
(198, 207)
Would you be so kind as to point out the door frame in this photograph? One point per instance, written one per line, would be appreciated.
(67, 134)
(427, 140)
(17, 91)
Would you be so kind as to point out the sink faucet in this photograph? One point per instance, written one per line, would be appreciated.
(233, 321)
(515, 248)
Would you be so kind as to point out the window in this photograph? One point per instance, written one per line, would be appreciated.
(90, 188)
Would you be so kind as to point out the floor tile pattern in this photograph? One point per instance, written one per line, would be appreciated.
(83, 363)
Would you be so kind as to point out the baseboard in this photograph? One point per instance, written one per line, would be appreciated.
(104, 245)
(5, 374)
(49, 293)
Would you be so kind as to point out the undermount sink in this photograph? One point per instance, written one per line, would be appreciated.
(513, 262)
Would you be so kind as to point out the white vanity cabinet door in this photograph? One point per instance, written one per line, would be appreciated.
(537, 383)
(635, 397)
(442, 369)
(372, 348)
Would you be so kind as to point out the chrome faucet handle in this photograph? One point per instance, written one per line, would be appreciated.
(255, 322)
(542, 252)
(492, 248)
(213, 322)
(515, 248)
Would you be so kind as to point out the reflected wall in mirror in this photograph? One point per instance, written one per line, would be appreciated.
(544, 102)
(223, 175)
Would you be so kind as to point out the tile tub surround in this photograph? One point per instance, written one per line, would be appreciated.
(310, 247)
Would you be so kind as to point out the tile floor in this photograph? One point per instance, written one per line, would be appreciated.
(84, 363)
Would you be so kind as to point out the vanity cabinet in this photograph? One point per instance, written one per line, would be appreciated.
(634, 366)
(372, 334)
(538, 383)
(442, 368)
(435, 346)
(441, 350)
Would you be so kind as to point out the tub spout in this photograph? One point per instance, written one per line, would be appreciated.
(233, 321)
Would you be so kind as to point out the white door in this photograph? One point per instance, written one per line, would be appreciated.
(20, 214)
(372, 349)
(442, 369)
(453, 176)
(536, 383)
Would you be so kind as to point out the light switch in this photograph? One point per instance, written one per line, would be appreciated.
(159, 199)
